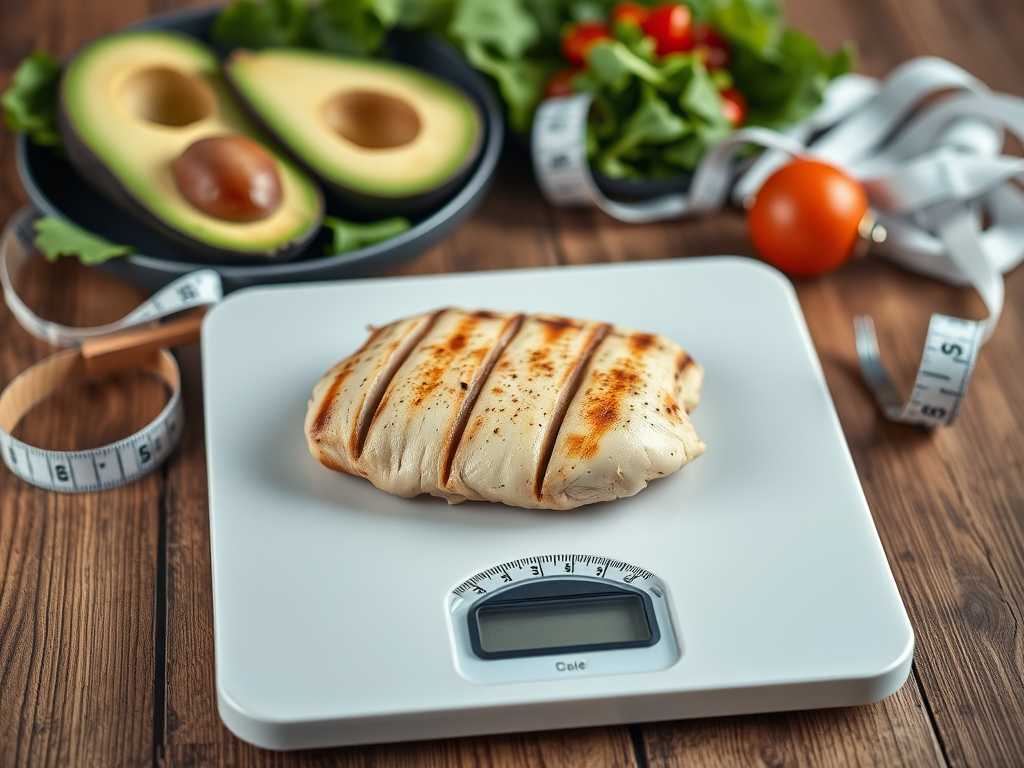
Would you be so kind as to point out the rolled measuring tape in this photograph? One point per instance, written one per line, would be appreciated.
(96, 350)
(925, 143)
(95, 469)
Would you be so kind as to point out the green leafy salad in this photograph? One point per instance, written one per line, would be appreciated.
(669, 79)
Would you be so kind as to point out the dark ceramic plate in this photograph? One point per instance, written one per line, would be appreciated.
(56, 189)
(630, 190)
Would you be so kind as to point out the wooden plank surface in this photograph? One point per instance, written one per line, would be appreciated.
(106, 641)
(77, 573)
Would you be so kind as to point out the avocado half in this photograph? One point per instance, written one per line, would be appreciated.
(131, 103)
(384, 138)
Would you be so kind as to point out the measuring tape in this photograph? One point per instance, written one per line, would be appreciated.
(950, 350)
(99, 468)
(127, 343)
(944, 195)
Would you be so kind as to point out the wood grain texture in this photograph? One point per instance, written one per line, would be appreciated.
(949, 510)
(890, 734)
(106, 636)
(77, 572)
(604, 748)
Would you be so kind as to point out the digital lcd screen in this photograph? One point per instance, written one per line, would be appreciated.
(569, 623)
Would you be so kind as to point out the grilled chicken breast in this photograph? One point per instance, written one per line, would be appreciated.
(540, 411)
(625, 424)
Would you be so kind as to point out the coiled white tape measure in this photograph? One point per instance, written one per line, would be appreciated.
(925, 143)
(99, 468)
(98, 350)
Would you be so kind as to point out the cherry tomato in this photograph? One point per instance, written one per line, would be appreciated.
(806, 216)
(669, 25)
(578, 38)
(734, 107)
(632, 13)
(560, 84)
(711, 47)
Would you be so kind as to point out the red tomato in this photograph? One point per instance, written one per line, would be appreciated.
(669, 25)
(805, 218)
(631, 13)
(734, 107)
(560, 84)
(578, 38)
(711, 47)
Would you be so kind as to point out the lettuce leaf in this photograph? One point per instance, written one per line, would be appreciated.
(350, 236)
(651, 119)
(412, 14)
(502, 25)
(350, 27)
(248, 24)
(753, 25)
(499, 38)
(781, 72)
(520, 81)
(30, 103)
(59, 237)
(615, 65)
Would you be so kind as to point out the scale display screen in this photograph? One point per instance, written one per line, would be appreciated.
(590, 621)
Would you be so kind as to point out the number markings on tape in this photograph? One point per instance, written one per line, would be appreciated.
(946, 366)
(98, 469)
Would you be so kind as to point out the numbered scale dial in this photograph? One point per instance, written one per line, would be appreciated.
(560, 617)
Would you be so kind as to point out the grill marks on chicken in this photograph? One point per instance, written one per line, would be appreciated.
(625, 425)
(473, 389)
(416, 427)
(540, 411)
(514, 421)
(348, 395)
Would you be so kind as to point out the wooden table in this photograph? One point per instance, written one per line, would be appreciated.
(106, 641)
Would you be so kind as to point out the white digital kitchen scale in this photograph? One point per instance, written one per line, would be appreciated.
(752, 580)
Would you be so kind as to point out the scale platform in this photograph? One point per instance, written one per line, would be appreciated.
(751, 581)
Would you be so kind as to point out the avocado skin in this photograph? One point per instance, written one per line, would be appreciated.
(375, 206)
(99, 175)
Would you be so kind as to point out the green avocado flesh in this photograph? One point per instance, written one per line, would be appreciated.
(131, 103)
(368, 127)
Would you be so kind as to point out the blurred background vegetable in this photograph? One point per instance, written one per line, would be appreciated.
(30, 103)
(669, 79)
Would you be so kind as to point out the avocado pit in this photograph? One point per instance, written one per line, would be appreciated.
(372, 120)
(167, 97)
(230, 177)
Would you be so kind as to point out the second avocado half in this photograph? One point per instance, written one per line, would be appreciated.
(385, 138)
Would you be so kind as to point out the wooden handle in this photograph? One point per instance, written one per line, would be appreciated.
(125, 350)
